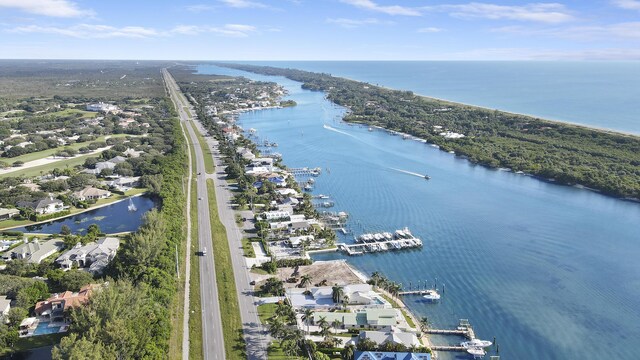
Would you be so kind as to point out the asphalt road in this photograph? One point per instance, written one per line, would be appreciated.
(212, 338)
(256, 335)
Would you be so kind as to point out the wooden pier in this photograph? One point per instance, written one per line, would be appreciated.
(417, 292)
(380, 246)
(305, 171)
(447, 348)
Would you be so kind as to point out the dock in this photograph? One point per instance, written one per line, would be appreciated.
(416, 292)
(305, 171)
(447, 348)
(380, 246)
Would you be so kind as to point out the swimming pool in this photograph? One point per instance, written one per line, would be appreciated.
(44, 329)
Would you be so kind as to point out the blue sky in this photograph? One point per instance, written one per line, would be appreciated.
(321, 29)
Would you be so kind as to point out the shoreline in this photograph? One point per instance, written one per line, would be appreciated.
(563, 122)
(74, 214)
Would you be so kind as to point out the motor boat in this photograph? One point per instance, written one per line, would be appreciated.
(432, 295)
(477, 352)
(476, 343)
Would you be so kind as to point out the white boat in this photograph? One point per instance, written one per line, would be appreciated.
(476, 343)
(370, 129)
(131, 206)
(431, 295)
(477, 352)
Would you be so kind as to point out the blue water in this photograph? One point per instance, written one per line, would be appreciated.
(114, 218)
(550, 271)
(44, 329)
(600, 94)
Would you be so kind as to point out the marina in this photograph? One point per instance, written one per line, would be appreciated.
(380, 242)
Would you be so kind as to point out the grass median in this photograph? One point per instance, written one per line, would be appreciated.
(227, 295)
(195, 302)
(206, 151)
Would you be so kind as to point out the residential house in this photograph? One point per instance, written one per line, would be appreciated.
(6, 214)
(58, 305)
(5, 306)
(395, 337)
(291, 201)
(94, 255)
(101, 107)
(123, 183)
(31, 186)
(275, 215)
(90, 193)
(379, 355)
(132, 153)
(366, 319)
(361, 295)
(118, 159)
(47, 205)
(35, 251)
(296, 241)
(5, 244)
(245, 153)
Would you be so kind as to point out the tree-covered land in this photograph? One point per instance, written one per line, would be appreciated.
(569, 154)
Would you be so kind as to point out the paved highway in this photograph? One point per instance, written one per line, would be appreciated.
(212, 339)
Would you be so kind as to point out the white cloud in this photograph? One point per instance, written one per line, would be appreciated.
(88, 31)
(430, 30)
(627, 4)
(198, 8)
(354, 23)
(243, 4)
(229, 30)
(535, 12)
(620, 31)
(386, 9)
(54, 8)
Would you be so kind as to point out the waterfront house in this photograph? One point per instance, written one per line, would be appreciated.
(296, 241)
(245, 153)
(90, 193)
(394, 337)
(6, 214)
(291, 201)
(381, 355)
(57, 306)
(123, 183)
(5, 306)
(361, 295)
(95, 255)
(382, 319)
(287, 191)
(47, 205)
(28, 325)
(35, 251)
(5, 244)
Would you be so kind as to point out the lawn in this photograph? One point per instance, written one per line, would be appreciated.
(274, 352)
(33, 342)
(69, 112)
(397, 306)
(266, 312)
(206, 151)
(195, 306)
(46, 153)
(248, 248)
(227, 295)
(43, 169)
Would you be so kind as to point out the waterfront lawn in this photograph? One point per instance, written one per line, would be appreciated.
(247, 247)
(397, 306)
(206, 150)
(227, 295)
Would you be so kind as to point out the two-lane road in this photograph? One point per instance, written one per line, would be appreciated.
(212, 338)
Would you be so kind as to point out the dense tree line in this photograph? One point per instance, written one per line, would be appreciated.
(569, 154)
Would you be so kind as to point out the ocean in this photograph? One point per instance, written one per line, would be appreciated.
(598, 94)
(550, 271)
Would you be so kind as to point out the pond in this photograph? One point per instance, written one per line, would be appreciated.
(112, 218)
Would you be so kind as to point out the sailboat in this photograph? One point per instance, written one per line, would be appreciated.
(131, 206)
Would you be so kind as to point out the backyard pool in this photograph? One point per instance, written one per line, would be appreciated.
(44, 329)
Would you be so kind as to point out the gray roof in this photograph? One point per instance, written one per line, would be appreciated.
(379, 355)
(39, 204)
(4, 302)
(4, 211)
(398, 337)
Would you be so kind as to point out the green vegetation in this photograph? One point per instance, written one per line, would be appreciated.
(266, 312)
(248, 248)
(46, 168)
(568, 154)
(195, 301)
(206, 151)
(227, 295)
(33, 342)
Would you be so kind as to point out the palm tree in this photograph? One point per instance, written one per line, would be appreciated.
(307, 315)
(305, 281)
(345, 300)
(324, 326)
(336, 323)
(290, 347)
(337, 292)
(276, 327)
(424, 324)
(349, 352)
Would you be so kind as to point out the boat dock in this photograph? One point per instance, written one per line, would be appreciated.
(464, 329)
(305, 171)
(447, 348)
(416, 292)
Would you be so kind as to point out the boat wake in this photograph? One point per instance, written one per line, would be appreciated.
(408, 172)
(338, 131)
